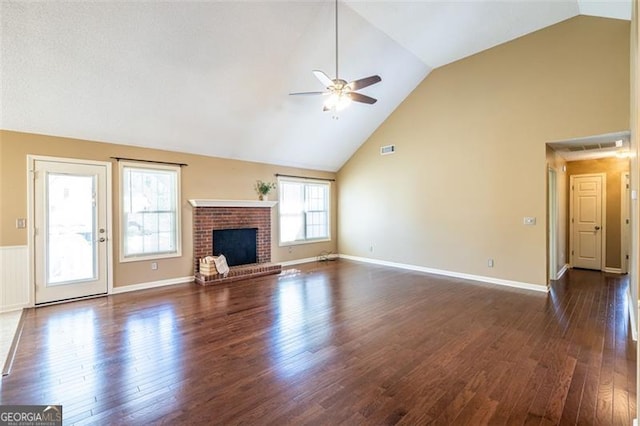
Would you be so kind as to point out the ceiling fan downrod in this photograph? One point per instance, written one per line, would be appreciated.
(337, 77)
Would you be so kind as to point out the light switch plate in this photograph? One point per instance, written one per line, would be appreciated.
(21, 223)
(529, 220)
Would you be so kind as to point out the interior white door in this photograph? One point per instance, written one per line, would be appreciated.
(587, 221)
(70, 219)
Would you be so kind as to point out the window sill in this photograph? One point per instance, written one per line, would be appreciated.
(298, 243)
(149, 257)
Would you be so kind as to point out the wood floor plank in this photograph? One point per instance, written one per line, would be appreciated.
(335, 343)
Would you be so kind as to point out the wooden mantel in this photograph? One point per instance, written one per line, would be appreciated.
(231, 203)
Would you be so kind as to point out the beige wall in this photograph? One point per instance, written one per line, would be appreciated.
(204, 177)
(613, 168)
(470, 161)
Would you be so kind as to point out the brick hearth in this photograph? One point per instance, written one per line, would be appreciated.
(217, 214)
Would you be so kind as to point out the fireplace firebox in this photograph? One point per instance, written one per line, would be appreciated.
(239, 246)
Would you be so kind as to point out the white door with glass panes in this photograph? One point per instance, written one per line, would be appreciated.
(70, 229)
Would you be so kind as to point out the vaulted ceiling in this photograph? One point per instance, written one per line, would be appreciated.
(213, 78)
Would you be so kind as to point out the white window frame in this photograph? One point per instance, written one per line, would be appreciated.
(123, 226)
(311, 240)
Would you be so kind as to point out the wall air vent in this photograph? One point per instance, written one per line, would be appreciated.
(387, 149)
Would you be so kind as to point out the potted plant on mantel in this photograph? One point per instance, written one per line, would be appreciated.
(263, 189)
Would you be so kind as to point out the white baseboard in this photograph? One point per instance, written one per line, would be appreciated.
(612, 270)
(562, 271)
(151, 284)
(298, 261)
(490, 280)
(12, 308)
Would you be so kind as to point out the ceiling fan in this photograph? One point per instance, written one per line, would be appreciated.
(341, 93)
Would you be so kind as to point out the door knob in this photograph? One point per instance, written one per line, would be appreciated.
(597, 228)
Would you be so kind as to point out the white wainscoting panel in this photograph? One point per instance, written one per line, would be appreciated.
(14, 278)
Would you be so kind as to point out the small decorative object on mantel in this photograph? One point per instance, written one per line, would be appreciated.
(263, 189)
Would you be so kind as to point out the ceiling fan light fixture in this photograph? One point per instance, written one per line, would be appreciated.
(337, 101)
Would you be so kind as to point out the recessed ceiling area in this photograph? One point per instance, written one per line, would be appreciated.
(594, 147)
(213, 78)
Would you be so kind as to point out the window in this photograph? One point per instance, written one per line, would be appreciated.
(150, 214)
(304, 211)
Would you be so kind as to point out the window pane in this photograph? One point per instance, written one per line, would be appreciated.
(291, 228)
(316, 197)
(292, 198)
(317, 225)
(71, 252)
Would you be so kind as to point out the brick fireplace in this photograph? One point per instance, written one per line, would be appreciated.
(209, 215)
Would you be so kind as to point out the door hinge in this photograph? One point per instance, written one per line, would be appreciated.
(572, 253)
(626, 221)
(572, 187)
(626, 257)
(571, 220)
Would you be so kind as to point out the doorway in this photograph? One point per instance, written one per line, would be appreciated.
(71, 250)
(587, 216)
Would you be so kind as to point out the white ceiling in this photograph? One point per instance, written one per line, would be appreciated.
(213, 77)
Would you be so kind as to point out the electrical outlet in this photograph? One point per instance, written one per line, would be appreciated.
(490, 263)
(21, 223)
(154, 265)
(371, 248)
(290, 249)
(529, 220)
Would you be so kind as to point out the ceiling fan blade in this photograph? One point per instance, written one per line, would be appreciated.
(359, 97)
(364, 82)
(324, 79)
(308, 93)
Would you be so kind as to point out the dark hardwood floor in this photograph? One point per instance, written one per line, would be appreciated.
(337, 342)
